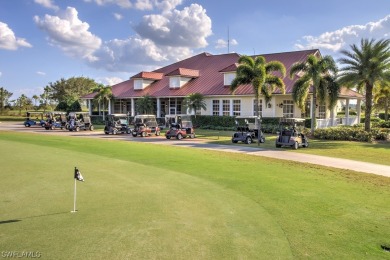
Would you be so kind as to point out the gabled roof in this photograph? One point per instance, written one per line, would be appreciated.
(206, 71)
(189, 73)
(349, 93)
(148, 75)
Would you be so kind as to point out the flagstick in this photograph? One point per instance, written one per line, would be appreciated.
(74, 199)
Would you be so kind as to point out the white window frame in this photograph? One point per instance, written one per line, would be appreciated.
(288, 108)
(236, 107)
(260, 106)
(226, 107)
(228, 78)
(215, 104)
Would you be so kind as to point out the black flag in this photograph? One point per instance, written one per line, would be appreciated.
(77, 175)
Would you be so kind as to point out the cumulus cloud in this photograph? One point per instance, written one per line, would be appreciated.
(119, 55)
(110, 80)
(47, 4)
(221, 43)
(41, 73)
(189, 27)
(9, 41)
(67, 32)
(164, 5)
(339, 39)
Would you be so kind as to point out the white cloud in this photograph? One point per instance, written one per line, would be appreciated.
(110, 80)
(336, 40)
(9, 41)
(1, 74)
(119, 55)
(70, 34)
(47, 3)
(118, 16)
(40, 73)
(120, 3)
(187, 28)
(221, 43)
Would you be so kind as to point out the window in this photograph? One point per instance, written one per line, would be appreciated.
(174, 82)
(322, 111)
(236, 107)
(226, 107)
(260, 107)
(288, 108)
(228, 78)
(215, 107)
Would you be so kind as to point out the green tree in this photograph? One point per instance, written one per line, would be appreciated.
(70, 90)
(96, 102)
(364, 66)
(23, 102)
(262, 76)
(194, 101)
(104, 94)
(318, 74)
(144, 105)
(382, 97)
(4, 97)
(35, 98)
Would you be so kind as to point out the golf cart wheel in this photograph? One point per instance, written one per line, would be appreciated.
(128, 131)
(91, 128)
(106, 132)
(262, 140)
(248, 140)
(295, 146)
(168, 137)
(306, 145)
(134, 134)
(52, 127)
(192, 136)
(278, 145)
(43, 124)
(47, 128)
(143, 134)
(179, 137)
(114, 132)
(27, 125)
(157, 133)
(234, 141)
(77, 129)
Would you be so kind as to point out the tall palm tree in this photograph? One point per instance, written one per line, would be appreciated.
(104, 94)
(318, 74)
(261, 75)
(194, 102)
(96, 89)
(364, 66)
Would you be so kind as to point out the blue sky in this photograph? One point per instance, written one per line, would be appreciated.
(42, 41)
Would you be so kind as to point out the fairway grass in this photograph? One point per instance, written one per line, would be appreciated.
(144, 201)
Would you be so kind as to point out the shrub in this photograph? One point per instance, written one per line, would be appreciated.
(354, 133)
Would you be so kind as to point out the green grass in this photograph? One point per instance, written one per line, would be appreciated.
(377, 152)
(145, 201)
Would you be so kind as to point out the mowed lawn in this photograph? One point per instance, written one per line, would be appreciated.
(145, 201)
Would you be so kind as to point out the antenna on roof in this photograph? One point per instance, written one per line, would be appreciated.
(228, 44)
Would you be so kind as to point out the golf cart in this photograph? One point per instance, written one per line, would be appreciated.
(79, 121)
(117, 123)
(145, 125)
(290, 133)
(180, 126)
(247, 130)
(55, 120)
(30, 121)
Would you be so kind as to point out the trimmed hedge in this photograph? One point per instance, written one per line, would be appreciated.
(352, 133)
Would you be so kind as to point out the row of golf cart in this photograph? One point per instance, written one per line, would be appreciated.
(289, 134)
(73, 121)
(179, 126)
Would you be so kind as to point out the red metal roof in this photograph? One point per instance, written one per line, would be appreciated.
(349, 93)
(148, 75)
(210, 80)
(184, 72)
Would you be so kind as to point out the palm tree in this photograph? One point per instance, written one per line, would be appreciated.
(96, 89)
(364, 66)
(318, 74)
(104, 94)
(145, 105)
(260, 74)
(194, 102)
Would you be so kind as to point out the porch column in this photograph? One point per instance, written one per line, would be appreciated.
(231, 107)
(332, 117)
(89, 107)
(158, 107)
(109, 107)
(220, 108)
(347, 111)
(358, 109)
(132, 106)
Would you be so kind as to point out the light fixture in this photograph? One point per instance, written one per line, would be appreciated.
(269, 105)
(281, 105)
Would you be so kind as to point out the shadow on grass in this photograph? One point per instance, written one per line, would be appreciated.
(9, 221)
(37, 216)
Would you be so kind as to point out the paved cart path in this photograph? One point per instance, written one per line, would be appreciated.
(202, 144)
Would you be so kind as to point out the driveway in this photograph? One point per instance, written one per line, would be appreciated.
(203, 144)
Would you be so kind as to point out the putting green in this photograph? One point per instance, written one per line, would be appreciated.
(126, 210)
